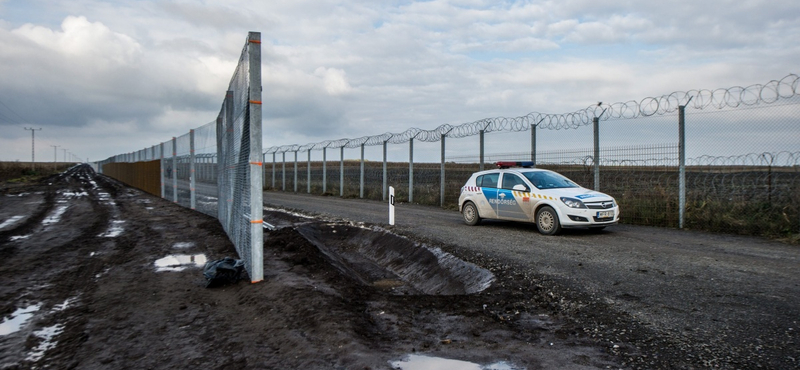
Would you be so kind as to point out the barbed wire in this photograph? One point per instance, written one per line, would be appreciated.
(731, 97)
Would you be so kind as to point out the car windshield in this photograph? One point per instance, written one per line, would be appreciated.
(549, 180)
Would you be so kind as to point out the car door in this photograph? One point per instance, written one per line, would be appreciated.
(508, 205)
(488, 184)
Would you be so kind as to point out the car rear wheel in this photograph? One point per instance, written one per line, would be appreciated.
(547, 221)
(470, 213)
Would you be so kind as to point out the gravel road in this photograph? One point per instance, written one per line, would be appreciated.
(659, 295)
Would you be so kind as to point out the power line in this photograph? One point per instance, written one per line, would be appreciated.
(12, 111)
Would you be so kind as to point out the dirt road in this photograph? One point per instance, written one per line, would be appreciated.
(100, 276)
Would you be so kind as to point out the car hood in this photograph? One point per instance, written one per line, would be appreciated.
(582, 194)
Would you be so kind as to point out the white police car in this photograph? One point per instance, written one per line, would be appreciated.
(517, 192)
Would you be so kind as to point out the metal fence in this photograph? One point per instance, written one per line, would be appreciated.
(659, 157)
(216, 168)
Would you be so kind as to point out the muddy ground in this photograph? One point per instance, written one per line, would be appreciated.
(86, 286)
(82, 289)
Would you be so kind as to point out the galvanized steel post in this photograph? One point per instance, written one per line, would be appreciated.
(341, 170)
(682, 165)
(295, 171)
(481, 149)
(283, 172)
(596, 159)
(324, 170)
(361, 183)
(163, 180)
(308, 173)
(533, 144)
(273, 170)
(385, 182)
(411, 170)
(174, 169)
(441, 177)
(256, 181)
(192, 180)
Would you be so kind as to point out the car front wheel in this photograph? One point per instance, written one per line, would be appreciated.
(547, 221)
(470, 213)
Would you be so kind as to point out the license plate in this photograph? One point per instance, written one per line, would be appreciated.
(605, 214)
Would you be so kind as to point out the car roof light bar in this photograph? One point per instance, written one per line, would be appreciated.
(525, 164)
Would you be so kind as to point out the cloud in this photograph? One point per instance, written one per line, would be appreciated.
(335, 68)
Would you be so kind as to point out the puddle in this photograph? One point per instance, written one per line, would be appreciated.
(18, 319)
(72, 194)
(183, 245)
(179, 262)
(397, 264)
(55, 217)
(11, 221)
(418, 362)
(19, 237)
(114, 230)
(46, 335)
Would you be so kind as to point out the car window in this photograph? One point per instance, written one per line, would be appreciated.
(549, 180)
(488, 180)
(509, 180)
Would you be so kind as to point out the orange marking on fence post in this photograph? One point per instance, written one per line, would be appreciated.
(255, 101)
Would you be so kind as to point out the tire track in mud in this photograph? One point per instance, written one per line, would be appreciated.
(58, 264)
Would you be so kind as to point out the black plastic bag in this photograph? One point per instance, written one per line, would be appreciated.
(223, 272)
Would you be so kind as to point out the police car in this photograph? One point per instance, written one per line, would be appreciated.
(515, 191)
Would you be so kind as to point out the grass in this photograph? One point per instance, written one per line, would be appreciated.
(24, 173)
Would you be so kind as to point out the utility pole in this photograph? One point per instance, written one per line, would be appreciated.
(33, 145)
(65, 154)
(55, 157)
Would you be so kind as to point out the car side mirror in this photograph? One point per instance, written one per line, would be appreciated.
(520, 187)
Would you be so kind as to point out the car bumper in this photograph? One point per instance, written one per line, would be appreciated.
(583, 217)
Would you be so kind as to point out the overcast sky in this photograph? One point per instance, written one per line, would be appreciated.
(105, 77)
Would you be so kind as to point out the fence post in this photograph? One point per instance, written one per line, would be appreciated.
(411, 170)
(273, 169)
(174, 169)
(341, 170)
(256, 181)
(681, 165)
(385, 180)
(163, 180)
(324, 170)
(441, 177)
(596, 159)
(361, 186)
(481, 149)
(533, 143)
(308, 173)
(192, 179)
(295, 171)
(283, 172)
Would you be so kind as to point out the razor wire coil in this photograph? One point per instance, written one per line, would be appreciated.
(731, 97)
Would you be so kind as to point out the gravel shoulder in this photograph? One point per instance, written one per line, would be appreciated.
(660, 297)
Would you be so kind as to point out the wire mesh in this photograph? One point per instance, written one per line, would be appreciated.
(211, 168)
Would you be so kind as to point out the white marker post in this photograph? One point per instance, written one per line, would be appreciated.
(391, 205)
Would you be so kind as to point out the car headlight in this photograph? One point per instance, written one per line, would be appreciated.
(572, 202)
